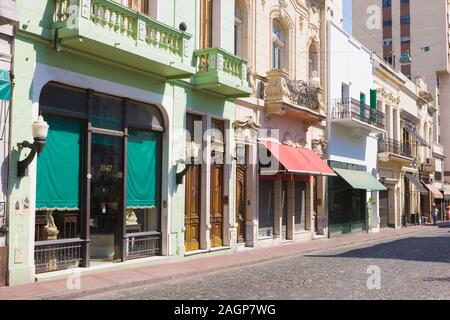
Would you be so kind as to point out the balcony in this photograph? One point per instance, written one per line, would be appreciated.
(389, 149)
(362, 118)
(107, 29)
(294, 98)
(221, 72)
(8, 12)
(438, 150)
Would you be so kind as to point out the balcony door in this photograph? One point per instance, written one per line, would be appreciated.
(137, 5)
(206, 25)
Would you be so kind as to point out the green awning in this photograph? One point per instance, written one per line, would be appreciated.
(360, 180)
(5, 85)
(142, 169)
(58, 167)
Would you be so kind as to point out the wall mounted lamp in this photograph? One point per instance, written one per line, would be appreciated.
(39, 130)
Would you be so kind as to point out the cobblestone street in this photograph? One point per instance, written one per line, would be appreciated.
(412, 267)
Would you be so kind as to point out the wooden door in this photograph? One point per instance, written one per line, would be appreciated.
(138, 5)
(192, 211)
(205, 24)
(216, 205)
(240, 201)
(384, 209)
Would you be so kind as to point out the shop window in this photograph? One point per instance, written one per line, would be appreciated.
(266, 213)
(57, 198)
(64, 189)
(300, 206)
(107, 112)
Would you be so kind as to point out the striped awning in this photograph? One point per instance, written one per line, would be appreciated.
(413, 132)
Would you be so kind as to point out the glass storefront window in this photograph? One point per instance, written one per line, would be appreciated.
(116, 175)
(266, 208)
(107, 112)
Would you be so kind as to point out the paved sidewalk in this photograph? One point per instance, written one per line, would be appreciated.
(142, 275)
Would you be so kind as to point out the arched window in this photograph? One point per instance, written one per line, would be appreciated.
(237, 30)
(278, 46)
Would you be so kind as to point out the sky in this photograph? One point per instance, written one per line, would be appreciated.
(348, 16)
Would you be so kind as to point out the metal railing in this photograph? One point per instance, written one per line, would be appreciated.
(404, 149)
(141, 245)
(57, 255)
(351, 108)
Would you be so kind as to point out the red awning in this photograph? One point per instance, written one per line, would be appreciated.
(299, 160)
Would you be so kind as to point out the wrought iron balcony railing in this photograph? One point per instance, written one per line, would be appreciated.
(404, 149)
(353, 109)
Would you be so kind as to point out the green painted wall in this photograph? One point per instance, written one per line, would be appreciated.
(33, 46)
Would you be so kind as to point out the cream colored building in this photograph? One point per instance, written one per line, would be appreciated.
(405, 148)
(421, 28)
(284, 43)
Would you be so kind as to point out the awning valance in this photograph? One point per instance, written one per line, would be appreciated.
(417, 183)
(434, 191)
(412, 131)
(5, 85)
(299, 160)
(361, 180)
(58, 167)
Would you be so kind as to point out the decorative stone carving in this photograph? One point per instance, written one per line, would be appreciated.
(320, 146)
(131, 218)
(50, 228)
(388, 97)
(288, 139)
(246, 131)
(281, 93)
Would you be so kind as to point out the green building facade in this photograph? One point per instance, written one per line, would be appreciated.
(115, 86)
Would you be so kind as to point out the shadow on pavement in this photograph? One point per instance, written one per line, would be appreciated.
(446, 279)
(425, 249)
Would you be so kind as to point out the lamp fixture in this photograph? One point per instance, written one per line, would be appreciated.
(39, 129)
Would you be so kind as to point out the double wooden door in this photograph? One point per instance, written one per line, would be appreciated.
(216, 214)
(193, 209)
(240, 201)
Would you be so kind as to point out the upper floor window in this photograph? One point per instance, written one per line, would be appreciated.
(403, 2)
(387, 42)
(405, 39)
(405, 20)
(387, 3)
(237, 30)
(387, 23)
(278, 46)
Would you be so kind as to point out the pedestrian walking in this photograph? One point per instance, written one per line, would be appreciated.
(434, 214)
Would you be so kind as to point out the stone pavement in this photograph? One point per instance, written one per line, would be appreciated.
(108, 281)
(412, 267)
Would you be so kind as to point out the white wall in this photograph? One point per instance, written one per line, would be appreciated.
(349, 63)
